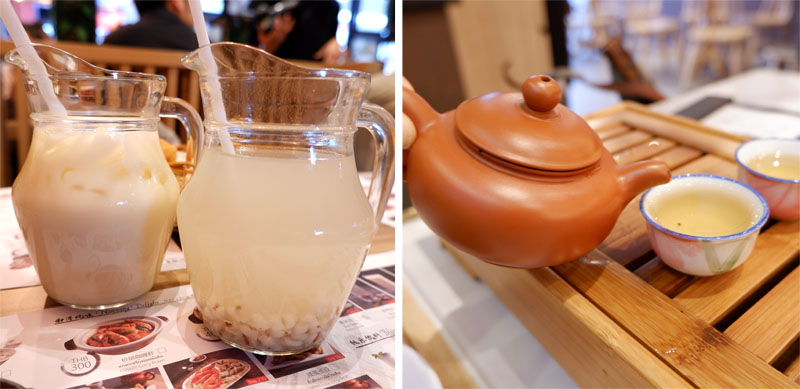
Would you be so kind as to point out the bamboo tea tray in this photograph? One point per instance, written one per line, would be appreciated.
(619, 317)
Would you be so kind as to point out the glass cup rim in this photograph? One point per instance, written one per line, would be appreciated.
(759, 174)
(754, 228)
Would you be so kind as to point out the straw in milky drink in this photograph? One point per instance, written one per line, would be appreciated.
(28, 53)
(217, 110)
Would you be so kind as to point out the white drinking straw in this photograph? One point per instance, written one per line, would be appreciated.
(28, 53)
(214, 89)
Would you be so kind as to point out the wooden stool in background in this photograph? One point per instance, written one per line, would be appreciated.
(707, 46)
(661, 29)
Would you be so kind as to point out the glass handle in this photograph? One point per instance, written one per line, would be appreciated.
(380, 123)
(175, 108)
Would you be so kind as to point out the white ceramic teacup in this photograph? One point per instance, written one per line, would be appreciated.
(782, 194)
(713, 253)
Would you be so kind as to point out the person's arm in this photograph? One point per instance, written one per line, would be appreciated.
(330, 53)
(270, 41)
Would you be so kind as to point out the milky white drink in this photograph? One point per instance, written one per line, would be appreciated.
(273, 242)
(96, 203)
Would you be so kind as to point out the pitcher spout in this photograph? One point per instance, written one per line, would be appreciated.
(418, 110)
(637, 177)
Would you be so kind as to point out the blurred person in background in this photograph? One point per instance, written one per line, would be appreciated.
(163, 24)
(299, 29)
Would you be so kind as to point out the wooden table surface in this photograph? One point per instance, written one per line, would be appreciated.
(34, 298)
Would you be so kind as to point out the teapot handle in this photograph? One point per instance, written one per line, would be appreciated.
(418, 110)
(175, 108)
(381, 124)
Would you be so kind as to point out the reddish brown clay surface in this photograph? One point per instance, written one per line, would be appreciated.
(516, 186)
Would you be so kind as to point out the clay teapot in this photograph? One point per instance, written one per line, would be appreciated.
(517, 179)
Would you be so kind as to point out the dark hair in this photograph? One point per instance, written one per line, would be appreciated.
(145, 6)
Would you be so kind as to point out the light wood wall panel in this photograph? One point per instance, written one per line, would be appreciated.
(487, 33)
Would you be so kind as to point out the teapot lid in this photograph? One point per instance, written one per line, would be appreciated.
(531, 130)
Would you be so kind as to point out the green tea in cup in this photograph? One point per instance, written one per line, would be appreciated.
(703, 211)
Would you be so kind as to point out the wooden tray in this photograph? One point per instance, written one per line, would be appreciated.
(620, 317)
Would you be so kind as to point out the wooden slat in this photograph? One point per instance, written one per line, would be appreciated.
(793, 371)
(22, 113)
(149, 69)
(193, 94)
(711, 298)
(663, 277)
(643, 151)
(607, 117)
(628, 240)
(173, 81)
(421, 335)
(625, 141)
(776, 314)
(593, 349)
(111, 54)
(368, 67)
(687, 132)
(612, 132)
(125, 68)
(678, 156)
(700, 353)
(607, 125)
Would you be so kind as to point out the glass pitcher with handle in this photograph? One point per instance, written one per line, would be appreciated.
(274, 223)
(95, 198)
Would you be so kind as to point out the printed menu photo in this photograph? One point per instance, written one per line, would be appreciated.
(229, 368)
(364, 381)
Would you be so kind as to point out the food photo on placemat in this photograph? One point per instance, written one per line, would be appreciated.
(364, 381)
(367, 296)
(229, 368)
(118, 336)
(350, 308)
(381, 279)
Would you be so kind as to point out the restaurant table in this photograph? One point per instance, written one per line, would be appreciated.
(444, 307)
(766, 88)
(33, 298)
(764, 103)
(471, 325)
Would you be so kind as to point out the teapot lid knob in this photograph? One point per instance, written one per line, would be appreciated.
(541, 93)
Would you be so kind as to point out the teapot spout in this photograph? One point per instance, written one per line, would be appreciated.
(636, 177)
(418, 110)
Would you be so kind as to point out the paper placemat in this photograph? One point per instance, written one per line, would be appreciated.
(48, 348)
